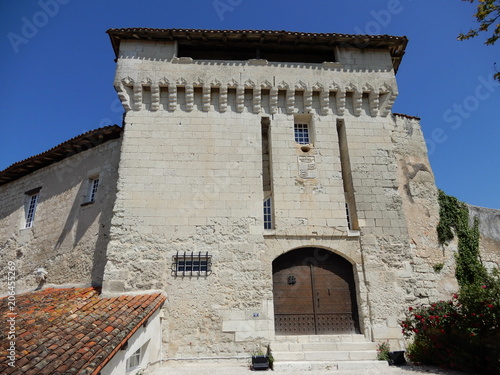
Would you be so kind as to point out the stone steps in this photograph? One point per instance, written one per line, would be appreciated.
(316, 366)
(324, 352)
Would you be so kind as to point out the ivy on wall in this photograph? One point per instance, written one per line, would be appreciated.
(454, 220)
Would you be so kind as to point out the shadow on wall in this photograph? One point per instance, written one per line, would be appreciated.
(79, 221)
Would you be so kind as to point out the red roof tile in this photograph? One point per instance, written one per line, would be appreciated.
(407, 116)
(55, 331)
(66, 149)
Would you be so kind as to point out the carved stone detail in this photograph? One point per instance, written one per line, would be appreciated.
(308, 99)
(240, 99)
(189, 97)
(357, 101)
(290, 100)
(137, 96)
(172, 97)
(340, 102)
(123, 95)
(155, 97)
(257, 98)
(324, 101)
(223, 99)
(380, 97)
(206, 98)
(266, 85)
(273, 100)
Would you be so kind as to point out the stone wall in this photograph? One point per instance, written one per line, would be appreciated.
(190, 179)
(67, 239)
(489, 230)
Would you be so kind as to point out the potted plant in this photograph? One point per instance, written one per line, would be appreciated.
(262, 361)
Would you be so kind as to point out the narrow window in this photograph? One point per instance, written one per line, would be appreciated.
(134, 360)
(93, 184)
(268, 214)
(301, 132)
(345, 166)
(348, 215)
(267, 185)
(30, 210)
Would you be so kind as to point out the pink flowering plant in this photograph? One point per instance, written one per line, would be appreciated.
(462, 333)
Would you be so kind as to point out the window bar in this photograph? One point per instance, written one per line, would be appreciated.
(199, 262)
(184, 269)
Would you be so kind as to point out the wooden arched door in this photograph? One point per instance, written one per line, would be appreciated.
(314, 293)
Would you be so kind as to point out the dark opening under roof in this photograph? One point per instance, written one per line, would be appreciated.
(265, 38)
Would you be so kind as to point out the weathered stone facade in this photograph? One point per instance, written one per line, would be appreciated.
(69, 236)
(206, 141)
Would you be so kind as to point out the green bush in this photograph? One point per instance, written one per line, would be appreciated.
(383, 350)
(463, 333)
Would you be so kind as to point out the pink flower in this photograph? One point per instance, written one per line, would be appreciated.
(483, 286)
(410, 308)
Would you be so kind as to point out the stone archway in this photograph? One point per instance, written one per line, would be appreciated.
(314, 293)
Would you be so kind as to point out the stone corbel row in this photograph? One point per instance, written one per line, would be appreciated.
(380, 99)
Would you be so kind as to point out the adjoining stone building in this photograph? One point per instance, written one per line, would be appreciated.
(261, 180)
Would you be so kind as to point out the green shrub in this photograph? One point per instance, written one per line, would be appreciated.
(383, 350)
(462, 333)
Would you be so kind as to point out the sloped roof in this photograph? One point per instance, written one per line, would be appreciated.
(395, 44)
(66, 149)
(71, 330)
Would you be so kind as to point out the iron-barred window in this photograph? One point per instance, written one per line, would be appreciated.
(301, 134)
(192, 264)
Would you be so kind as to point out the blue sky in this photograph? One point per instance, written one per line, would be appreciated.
(57, 69)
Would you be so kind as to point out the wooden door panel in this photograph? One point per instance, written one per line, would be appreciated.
(293, 298)
(321, 299)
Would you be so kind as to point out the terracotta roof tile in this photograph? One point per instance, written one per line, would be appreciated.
(72, 330)
(66, 149)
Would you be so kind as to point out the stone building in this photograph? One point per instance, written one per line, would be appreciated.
(261, 180)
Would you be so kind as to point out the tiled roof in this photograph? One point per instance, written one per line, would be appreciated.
(395, 44)
(407, 116)
(72, 330)
(66, 149)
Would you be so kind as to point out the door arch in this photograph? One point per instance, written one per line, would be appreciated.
(314, 293)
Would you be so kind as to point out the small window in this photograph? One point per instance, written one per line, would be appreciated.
(134, 360)
(93, 185)
(268, 216)
(192, 264)
(348, 215)
(301, 134)
(30, 209)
